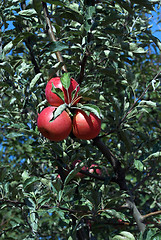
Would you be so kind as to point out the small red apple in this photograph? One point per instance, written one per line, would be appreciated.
(84, 126)
(56, 130)
(95, 169)
(79, 175)
(55, 100)
(119, 220)
(58, 177)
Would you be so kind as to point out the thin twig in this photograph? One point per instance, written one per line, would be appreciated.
(33, 60)
(82, 64)
(51, 33)
(84, 60)
(151, 214)
(143, 93)
(131, 108)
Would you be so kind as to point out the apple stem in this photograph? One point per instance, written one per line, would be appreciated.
(75, 99)
(68, 97)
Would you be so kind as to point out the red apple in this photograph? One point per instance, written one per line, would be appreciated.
(94, 169)
(79, 175)
(56, 130)
(58, 177)
(84, 126)
(55, 100)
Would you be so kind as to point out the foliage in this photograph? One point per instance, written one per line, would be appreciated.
(108, 47)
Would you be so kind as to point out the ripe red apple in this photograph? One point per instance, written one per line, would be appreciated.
(84, 126)
(56, 130)
(58, 177)
(79, 175)
(55, 100)
(94, 169)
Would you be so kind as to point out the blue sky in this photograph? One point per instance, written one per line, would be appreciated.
(156, 27)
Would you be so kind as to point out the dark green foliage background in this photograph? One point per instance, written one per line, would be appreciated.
(122, 59)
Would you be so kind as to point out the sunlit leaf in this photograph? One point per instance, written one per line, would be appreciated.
(58, 111)
(29, 181)
(55, 47)
(58, 92)
(14, 135)
(139, 165)
(34, 80)
(28, 12)
(91, 109)
(65, 80)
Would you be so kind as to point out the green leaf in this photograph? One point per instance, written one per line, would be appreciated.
(73, 172)
(20, 37)
(145, 3)
(7, 67)
(34, 221)
(114, 213)
(126, 5)
(14, 135)
(29, 238)
(25, 175)
(124, 135)
(71, 14)
(147, 103)
(37, 6)
(34, 80)
(153, 155)
(43, 199)
(90, 108)
(30, 203)
(43, 103)
(118, 237)
(29, 181)
(55, 2)
(57, 211)
(54, 47)
(90, 11)
(138, 164)
(65, 80)
(28, 12)
(150, 234)
(140, 50)
(58, 111)
(54, 69)
(128, 235)
(8, 47)
(57, 91)
(124, 236)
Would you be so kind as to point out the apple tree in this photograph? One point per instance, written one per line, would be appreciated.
(92, 188)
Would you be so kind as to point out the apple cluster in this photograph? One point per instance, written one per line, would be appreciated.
(94, 169)
(62, 97)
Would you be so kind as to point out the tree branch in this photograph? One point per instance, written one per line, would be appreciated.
(119, 171)
(33, 60)
(51, 33)
(84, 60)
(151, 214)
(120, 179)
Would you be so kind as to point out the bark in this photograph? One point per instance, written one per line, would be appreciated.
(120, 179)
